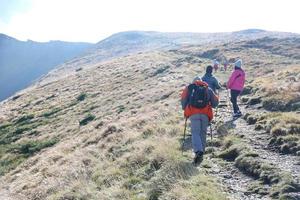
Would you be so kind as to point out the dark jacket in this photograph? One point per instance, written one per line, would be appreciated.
(211, 81)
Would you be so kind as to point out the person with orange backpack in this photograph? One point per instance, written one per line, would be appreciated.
(236, 85)
(197, 101)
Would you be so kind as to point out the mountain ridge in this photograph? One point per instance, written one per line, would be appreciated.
(21, 62)
(117, 45)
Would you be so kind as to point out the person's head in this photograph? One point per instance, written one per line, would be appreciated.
(197, 78)
(238, 64)
(209, 69)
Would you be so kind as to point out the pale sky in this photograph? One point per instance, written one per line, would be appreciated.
(93, 20)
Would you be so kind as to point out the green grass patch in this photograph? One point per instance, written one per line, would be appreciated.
(30, 147)
(24, 119)
(10, 162)
(88, 118)
(120, 109)
(81, 97)
(12, 155)
(51, 112)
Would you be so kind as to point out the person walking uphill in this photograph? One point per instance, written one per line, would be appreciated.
(197, 101)
(212, 82)
(236, 85)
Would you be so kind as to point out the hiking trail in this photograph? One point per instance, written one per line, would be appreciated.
(234, 182)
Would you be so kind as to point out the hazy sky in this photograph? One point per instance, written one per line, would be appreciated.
(93, 20)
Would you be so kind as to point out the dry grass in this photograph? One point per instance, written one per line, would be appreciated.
(119, 137)
(119, 125)
(198, 187)
(280, 93)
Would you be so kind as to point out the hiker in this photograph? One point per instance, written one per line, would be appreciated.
(236, 85)
(225, 65)
(211, 80)
(197, 101)
(216, 65)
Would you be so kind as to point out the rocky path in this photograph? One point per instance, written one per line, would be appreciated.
(235, 183)
(258, 140)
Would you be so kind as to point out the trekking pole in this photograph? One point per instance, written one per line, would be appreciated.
(210, 132)
(228, 100)
(217, 106)
(216, 112)
(184, 135)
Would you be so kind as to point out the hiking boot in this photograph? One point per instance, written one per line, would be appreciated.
(237, 114)
(198, 158)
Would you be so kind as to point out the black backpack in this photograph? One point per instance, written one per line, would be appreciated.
(197, 96)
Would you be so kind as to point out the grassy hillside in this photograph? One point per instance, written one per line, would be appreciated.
(114, 130)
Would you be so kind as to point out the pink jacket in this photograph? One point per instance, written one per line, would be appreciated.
(237, 80)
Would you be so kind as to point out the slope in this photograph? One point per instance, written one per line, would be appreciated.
(113, 130)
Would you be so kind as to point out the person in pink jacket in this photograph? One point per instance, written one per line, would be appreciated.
(236, 85)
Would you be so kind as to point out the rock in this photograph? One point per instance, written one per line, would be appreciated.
(247, 90)
(251, 120)
(259, 127)
(228, 176)
(285, 149)
(288, 188)
(254, 100)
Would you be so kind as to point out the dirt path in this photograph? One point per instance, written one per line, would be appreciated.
(258, 140)
(233, 181)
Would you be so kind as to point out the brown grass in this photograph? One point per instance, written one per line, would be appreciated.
(129, 145)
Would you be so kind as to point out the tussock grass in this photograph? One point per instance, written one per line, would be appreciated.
(105, 178)
(24, 119)
(88, 118)
(51, 112)
(28, 148)
(12, 155)
(79, 189)
(167, 176)
(81, 96)
(249, 163)
(197, 187)
(277, 94)
(283, 127)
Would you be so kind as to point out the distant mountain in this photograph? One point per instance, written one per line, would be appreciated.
(250, 31)
(125, 43)
(131, 42)
(22, 62)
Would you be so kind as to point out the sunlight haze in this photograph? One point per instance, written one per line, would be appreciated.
(93, 20)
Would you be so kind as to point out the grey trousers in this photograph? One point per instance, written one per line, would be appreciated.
(199, 123)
